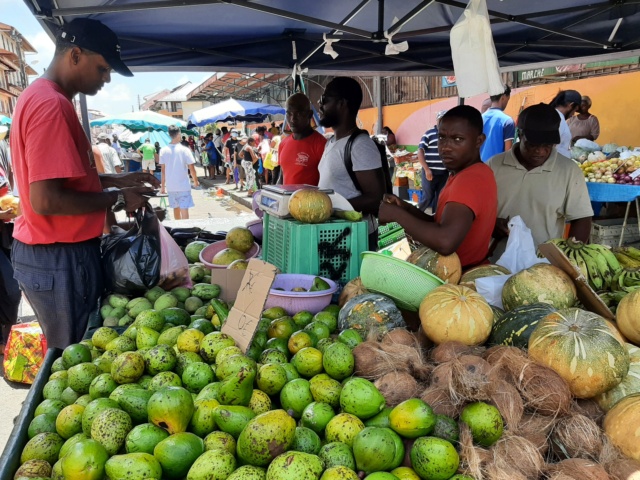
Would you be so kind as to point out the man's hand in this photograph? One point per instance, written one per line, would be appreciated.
(134, 198)
(393, 200)
(428, 174)
(127, 180)
(501, 230)
(6, 215)
(388, 212)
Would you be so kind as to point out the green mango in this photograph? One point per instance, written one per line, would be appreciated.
(265, 437)
(295, 465)
(133, 466)
(134, 401)
(232, 419)
(212, 464)
(171, 408)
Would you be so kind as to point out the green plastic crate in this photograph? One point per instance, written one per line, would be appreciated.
(331, 249)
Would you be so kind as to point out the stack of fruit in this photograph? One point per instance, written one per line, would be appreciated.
(614, 170)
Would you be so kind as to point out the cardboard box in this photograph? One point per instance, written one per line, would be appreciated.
(249, 296)
(586, 294)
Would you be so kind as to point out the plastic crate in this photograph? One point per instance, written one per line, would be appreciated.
(389, 234)
(608, 231)
(415, 195)
(331, 249)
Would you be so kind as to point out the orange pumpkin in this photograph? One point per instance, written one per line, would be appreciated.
(456, 313)
(622, 425)
(628, 316)
(446, 267)
(309, 205)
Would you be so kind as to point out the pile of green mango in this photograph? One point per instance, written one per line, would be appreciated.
(172, 397)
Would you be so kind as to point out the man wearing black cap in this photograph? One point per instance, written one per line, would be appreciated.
(534, 181)
(56, 252)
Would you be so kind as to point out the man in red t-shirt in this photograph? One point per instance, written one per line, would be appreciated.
(299, 154)
(464, 219)
(56, 252)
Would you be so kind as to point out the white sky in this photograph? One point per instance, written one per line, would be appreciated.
(119, 96)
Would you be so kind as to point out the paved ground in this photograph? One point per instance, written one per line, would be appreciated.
(215, 210)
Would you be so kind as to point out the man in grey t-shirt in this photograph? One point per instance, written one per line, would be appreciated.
(339, 107)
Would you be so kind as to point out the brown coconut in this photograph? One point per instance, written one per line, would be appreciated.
(400, 336)
(576, 436)
(473, 458)
(506, 398)
(407, 358)
(350, 290)
(624, 469)
(370, 361)
(543, 390)
(396, 387)
(589, 408)
(423, 341)
(578, 469)
(447, 351)
(494, 472)
(508, 362)
(513, 452)
(441, 402)
(536, 429)
(467, 377)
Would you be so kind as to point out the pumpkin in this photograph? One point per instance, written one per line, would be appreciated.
(350, 290)
(582, 348)
(628, 316)
(309, 205)
(456, 313)
(370, 312)
(542, 283)
(622, 425)
(629, 385)
(446, 267)
(514, 327)
(469, 278)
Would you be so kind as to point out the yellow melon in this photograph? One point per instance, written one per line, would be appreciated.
(628, 317)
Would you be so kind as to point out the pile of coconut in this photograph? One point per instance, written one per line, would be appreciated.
(548, 434)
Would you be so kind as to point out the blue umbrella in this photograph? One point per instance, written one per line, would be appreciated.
(234, 110)
(142, 121)
(136, 139)
(5, 120)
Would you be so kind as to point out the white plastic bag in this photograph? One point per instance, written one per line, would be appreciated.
(519, 254)
(474, 54)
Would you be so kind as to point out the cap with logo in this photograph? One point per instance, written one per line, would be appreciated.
(97, 37)
(540, 124)
(234, 133)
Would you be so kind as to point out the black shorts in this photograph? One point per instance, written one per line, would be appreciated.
(63, 283)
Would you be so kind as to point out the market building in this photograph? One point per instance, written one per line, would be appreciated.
(14, 68)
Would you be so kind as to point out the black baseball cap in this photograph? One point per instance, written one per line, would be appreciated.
(540, 124)
(97, 37)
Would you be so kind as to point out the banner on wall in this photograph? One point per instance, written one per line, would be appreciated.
(548, 71)
(449, 81)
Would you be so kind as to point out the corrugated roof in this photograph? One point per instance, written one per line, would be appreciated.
(178, 94)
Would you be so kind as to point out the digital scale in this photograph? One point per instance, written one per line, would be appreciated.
(274, 199)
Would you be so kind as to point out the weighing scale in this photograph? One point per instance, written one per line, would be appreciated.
(274, 199)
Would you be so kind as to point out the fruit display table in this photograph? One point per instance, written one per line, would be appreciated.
(605, 192)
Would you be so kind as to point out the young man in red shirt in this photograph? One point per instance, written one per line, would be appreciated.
(468, 203)
(299, 154)
(56, 248)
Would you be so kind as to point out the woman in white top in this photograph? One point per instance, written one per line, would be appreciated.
(566, 102)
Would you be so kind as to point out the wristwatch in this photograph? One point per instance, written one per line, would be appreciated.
(120, 203)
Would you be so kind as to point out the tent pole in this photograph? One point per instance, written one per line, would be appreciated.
(85, 115)
(377, 91)
(460, 100)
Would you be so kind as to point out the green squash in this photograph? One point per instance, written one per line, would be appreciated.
(541, 283)
(629, 385)
(581, 347)
(370, 312)
(515, 326)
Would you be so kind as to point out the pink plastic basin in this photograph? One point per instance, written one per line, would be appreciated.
(294, 302)
(255, 227)
(207, 253)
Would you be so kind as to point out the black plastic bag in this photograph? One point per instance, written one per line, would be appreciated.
(131, 259)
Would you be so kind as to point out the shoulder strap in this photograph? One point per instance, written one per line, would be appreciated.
(348, 162)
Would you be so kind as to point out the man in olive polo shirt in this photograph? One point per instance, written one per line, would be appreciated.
(540, 185)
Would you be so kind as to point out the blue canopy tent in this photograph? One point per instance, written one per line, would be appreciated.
(234, 110)
(4, 120)
(134, 140)
(143, 121)
(207, 35)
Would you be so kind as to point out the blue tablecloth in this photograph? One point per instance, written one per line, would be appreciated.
(610, 192)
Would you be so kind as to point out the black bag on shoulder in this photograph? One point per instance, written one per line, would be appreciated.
(132, 259)
(384, 163)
